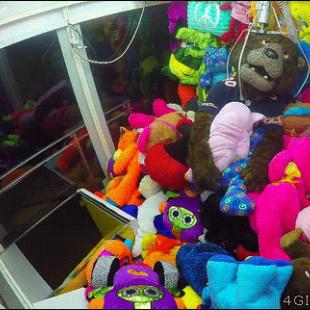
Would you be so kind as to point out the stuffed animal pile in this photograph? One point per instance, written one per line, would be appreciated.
(219, 182)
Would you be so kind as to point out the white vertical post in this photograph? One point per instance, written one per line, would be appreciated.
(86, 94)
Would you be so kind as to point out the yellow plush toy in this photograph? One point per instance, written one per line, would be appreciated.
(300, 11)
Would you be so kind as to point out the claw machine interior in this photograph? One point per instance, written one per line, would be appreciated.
(60, 119)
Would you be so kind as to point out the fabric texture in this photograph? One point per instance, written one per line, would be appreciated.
(256, 283)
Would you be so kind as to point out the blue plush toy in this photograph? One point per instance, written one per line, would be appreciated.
(236, 201)
(256, 283)
(305, 46)
(215, 61)
(192, 259)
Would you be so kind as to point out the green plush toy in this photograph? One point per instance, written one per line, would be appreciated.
(297, 293)
(12, 141)
(186, 64)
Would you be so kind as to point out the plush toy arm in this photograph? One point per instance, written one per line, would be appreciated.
(293, 246)
(206, 80)
(255, 175)
(226, 6)
(140, 120)
(205, 173)
(122, 163)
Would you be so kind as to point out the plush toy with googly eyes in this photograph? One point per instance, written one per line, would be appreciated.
(135, 287)
(181, 217)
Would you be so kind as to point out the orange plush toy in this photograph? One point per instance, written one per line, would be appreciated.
(123, 189)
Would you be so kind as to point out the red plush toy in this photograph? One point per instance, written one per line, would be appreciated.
(239, 21)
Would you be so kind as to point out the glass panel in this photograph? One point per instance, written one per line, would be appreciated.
(37, 104)
(38, 187)
(58, 254)
(45, 150)
(136, 78)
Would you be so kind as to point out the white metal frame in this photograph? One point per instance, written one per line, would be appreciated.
(86, 94)
(20, 26)
(17, 279)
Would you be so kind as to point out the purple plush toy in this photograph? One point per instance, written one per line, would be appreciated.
(138, 287)
(177, 16)
(110, 167)
(182, 217)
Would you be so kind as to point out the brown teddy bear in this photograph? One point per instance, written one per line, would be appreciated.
(269, 71)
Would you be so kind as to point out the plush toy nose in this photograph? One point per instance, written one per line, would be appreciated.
(271, 53)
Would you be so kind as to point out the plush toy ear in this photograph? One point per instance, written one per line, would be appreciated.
(123, 130)
(168, 274)
(301, 63)
(104, 271)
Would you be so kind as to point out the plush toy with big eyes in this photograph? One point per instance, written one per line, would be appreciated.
(135, 287)
(180, 218)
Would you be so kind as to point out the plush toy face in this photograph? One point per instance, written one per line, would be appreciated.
(127, 138)
(181, 217)
(141, 296)
(138, 287)
(270, 64)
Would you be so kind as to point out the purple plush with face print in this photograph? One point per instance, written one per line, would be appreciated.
(182, 217)
(138, 287)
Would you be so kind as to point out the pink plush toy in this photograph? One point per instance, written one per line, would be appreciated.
(230, 133)
(303, 222)
(277, 207)
(160, 128)
(304, 96)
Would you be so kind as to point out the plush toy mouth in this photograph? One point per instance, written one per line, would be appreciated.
(257, 76)
(260, 70)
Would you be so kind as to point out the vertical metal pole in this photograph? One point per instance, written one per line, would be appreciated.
(86, 94)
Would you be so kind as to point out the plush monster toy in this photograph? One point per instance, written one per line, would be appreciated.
(269, 70)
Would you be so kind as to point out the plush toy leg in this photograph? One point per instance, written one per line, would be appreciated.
(143, 139)
(186, 94)
(135, 198)
(121, 194)
(255, 175)
(277, 209)
(137, 248)
(217, 293)
(228, 36)
(254, 277)
(293, 246)
(241, 28)
(205, 173)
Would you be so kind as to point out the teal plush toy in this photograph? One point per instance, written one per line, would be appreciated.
(236, 201)
(256, 283)
(207, 17)
(215, 61)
